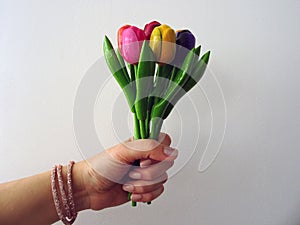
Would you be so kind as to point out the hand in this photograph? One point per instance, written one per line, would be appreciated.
(110, 175)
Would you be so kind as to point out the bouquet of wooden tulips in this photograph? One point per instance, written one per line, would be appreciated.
(161, 66)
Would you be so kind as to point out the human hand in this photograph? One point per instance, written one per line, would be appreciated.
(110, 175)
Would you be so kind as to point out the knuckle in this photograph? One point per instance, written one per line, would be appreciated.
(141, 189)
(171, 163)
(152, 144)
(149, 175)
(167, 138)
(164, 138)
(148, 197)
(164, 178)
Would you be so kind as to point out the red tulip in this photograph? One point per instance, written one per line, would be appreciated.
(149, 28)
(130, 41)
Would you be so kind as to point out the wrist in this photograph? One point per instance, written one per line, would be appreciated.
(80, 195)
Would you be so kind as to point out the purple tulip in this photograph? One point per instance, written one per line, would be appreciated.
(185, 41)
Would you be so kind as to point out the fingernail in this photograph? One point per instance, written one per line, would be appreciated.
(170, 151)
(128, 187)
(136, 197)
(145, 163)
(135, 175)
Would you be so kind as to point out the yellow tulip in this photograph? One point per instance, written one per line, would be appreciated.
(163, 43)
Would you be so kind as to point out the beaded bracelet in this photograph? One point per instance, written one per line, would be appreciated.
(70, 190)
(69, 206)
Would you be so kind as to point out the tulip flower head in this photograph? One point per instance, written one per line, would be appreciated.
(162, 43)
(130, 41)
(120, 31)
(185, 41)
(149, 28)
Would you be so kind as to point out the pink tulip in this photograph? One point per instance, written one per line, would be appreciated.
(130, 41)
(120, 31)
(149, 28)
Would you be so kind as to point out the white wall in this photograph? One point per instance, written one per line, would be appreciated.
(46, 48)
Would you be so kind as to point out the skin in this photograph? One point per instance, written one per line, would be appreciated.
(100, 182)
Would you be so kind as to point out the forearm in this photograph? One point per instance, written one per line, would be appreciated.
(30, 201)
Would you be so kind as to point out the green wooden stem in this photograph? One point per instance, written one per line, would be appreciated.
(143, 129)
(136, 127)
(156, 126)
(136, 137)
(133, 203)
(149, 111)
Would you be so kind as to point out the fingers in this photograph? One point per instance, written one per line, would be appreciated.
(147, 182)
(151, 172)
(164, 139)
(163, 153)
(143, 186)
(128, 152)
(147, 197)
(145, 191)
(145, 162)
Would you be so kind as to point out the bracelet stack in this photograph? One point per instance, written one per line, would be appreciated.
(67, 214)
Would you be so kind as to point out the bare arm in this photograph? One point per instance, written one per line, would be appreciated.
(29, 200)
(100, 182)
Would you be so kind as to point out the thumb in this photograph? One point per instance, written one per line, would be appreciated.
(128, 152)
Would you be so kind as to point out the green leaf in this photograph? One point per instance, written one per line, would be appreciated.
(165, 106)
(118, 71)
(197, 50)
(144, 80)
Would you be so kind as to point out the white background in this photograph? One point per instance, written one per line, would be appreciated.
(46, 47)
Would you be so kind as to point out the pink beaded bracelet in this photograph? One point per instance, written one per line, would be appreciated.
(69, 215)
(70, 190)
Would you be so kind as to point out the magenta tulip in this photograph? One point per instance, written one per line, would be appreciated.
(149, 28)
(130, 41)
(120, 31)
